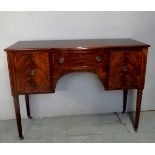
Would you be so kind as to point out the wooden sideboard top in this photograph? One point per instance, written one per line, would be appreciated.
(74, 44)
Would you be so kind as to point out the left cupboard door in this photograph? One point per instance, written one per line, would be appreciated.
(32, 72)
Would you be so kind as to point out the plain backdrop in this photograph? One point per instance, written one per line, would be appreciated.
(76, 93)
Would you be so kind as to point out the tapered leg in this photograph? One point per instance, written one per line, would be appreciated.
(18, 116)
(138, 107)
(125, 94)
(27, 106)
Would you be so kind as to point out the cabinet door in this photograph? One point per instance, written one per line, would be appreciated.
(32, 72)
(125, 69)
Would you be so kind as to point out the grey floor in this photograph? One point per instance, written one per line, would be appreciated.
(104, 128)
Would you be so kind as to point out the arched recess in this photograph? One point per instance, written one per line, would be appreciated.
(60, 74)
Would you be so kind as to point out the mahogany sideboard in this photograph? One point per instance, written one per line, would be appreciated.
(36, 66)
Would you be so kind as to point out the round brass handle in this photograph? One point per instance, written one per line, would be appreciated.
(32, 72)
(61, 60)
(125, 68)
(98, 59)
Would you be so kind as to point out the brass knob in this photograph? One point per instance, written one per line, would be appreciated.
(32, 72)
(98, 59)
(125, 68)
(61, 60)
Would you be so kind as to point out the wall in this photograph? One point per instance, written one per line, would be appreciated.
(76, 93)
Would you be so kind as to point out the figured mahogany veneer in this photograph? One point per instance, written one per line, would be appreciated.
(36, 66)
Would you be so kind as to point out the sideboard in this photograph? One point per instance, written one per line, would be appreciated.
(36, 66)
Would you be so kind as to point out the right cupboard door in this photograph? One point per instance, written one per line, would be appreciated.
(127, 68)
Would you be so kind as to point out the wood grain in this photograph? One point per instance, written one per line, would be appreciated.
(26, 83)
(79, 44)
(132, 78)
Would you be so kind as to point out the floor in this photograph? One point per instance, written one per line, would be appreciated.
(104, 128)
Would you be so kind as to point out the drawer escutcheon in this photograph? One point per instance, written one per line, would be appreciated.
(32, 72)
(98, 59)
(61, 60)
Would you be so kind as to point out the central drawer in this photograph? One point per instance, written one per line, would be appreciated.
(77, 60)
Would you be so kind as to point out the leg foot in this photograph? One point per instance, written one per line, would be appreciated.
(21, 137)
(29, 117)
(136, 129)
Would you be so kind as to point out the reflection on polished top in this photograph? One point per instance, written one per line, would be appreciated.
(75, 44)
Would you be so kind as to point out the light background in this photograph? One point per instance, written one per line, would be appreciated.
(77, 93)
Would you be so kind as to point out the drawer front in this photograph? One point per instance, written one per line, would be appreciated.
(125, 69)
(32, 72)
(65, 62)
(75, 61)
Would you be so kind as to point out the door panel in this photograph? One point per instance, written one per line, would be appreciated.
(115, 73)
(125, 69)
(41, 78)
(32, 72)
(23, 66)
(134, 69)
